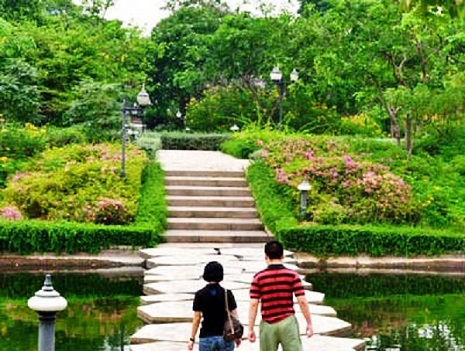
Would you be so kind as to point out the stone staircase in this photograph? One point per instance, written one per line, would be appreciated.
(211, 206)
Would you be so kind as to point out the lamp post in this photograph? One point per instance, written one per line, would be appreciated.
(47, 302)
(143, 100)
(303, 187)
(277, 77)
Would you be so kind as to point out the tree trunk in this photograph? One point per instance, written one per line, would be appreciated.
(408, 135)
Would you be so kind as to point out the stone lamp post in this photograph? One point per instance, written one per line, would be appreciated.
(47, 302)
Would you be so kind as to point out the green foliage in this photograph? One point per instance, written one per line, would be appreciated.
(325, 241)
(275, 214)
(25, 237)
(152, 209)
(70, 183)
(96, 106)
(194, 141)
(60, 137)
(20, 142)
(150, 142)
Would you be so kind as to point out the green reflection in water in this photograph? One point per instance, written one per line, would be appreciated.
(399, 312)
(101, 312)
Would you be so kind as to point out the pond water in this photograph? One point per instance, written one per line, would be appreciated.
(395, 312)
(399, 312)
(101, 313)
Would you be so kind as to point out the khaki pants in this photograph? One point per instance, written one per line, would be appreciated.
(285, 332)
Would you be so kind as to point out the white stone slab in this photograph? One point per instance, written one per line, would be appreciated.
(331, 343)
(160, 346)
(187, 272)
(148, 299)
(179, 332)
(251, 253)
(187, 260)
(179, 311)
(185, 286)
(175, 251)
(324, 325)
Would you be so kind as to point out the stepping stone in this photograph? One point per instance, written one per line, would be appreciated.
(331, 343)
(149, 299)
(174, 251)
(180, 331)
(251, 253)
(187, 286)
(324, 325)
(188, 260)
(160, 346)
(181, 311)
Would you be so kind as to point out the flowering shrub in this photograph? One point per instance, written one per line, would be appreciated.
(345, 188)
(11, 213)
(63, 181)
(107, 211)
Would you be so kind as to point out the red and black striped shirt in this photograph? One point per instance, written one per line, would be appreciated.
(275, 287)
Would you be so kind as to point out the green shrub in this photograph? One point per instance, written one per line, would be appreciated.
(18, 142)
(376, 241)
(152, 208)
(59, 137)
(25, 237)
(197, 141)
(274, 208)
(69, 184)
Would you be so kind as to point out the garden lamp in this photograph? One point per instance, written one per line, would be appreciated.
(303, 187)
(47, 302)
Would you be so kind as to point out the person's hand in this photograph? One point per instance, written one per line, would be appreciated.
(309, 330)
(238, 342)
(252, 336)
(190, 345)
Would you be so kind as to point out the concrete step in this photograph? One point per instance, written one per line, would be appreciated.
(206, 181)
(206, 191)
(200, 173)
(216, 236)
(211, 201)
(215, 224)
(211, 212)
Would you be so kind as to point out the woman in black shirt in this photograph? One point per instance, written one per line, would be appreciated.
(209, 307)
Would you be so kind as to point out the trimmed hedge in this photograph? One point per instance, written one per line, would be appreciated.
(324, 241)
(197, 141)
(30, 236)
(274, 211)
(338, 240)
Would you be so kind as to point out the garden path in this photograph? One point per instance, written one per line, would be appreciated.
(174, 269)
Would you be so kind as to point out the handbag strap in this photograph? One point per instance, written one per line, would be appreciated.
(227, 309)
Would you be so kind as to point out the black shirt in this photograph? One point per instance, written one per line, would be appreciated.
(210, 301)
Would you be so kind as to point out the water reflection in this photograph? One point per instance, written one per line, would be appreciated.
(101, 313)
(398, 312)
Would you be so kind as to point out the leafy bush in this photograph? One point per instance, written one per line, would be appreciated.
(345, 188)
(185, 141)
(59, 137)
(20, 142)
(68, 183)
(360, 124)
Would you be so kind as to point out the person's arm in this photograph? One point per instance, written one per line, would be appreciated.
(302, 300)
(252, 316)
(195, 328)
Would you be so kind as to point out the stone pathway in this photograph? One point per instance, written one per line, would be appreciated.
(174, 274)
(174, 269)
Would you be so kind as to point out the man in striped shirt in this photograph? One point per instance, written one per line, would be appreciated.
(274, 287)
